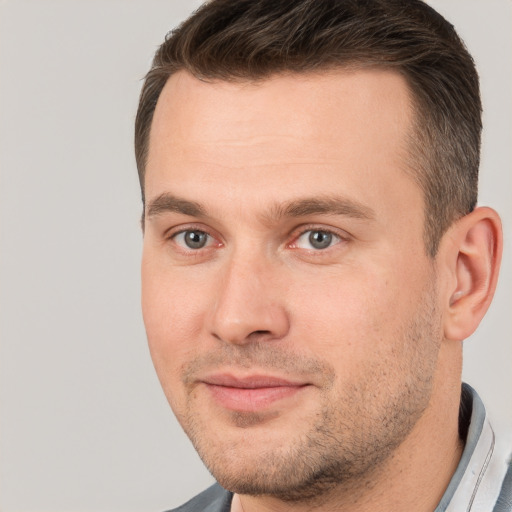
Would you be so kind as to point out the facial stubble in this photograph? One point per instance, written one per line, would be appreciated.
(353, 432)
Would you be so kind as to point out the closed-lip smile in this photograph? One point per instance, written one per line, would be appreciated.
(250, 393)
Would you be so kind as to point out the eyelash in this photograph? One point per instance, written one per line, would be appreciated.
(341, 237)
(173, 235)
(302, 231)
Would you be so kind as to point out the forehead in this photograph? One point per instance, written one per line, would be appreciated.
(326, 109)
(287, 135)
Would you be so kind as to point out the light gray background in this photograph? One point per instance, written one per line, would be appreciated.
(84, 425)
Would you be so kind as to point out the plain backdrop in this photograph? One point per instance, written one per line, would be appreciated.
(84, 425)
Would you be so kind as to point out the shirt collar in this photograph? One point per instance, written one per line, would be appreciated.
(476, 483)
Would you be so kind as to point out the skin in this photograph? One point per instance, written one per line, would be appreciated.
(309, 376)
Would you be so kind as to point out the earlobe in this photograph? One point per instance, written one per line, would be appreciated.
(476, 249)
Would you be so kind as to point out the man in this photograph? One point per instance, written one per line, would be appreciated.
(314, 257)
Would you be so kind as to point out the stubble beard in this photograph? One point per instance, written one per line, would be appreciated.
(351, 436)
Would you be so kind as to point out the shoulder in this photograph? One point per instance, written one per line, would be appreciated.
(504, 503)
(213, 499)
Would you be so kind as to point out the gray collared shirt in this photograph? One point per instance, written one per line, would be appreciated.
(481, 482)
(477, 482)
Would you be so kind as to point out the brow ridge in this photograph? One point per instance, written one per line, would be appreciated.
(331, 205)
(169, 203)
(303, 207)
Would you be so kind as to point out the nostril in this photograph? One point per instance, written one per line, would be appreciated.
(259, 335)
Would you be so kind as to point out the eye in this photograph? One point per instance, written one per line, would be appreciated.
(316, 239)
(192, 239)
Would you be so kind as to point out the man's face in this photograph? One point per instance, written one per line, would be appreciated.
(288, 300)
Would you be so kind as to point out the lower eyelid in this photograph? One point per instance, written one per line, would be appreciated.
(212, 241)
(336, 238)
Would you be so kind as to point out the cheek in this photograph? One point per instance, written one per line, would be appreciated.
(352, 316)
(173, 319)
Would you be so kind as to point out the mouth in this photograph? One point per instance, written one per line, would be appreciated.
(253, 393)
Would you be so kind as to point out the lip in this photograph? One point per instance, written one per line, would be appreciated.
(253, 393)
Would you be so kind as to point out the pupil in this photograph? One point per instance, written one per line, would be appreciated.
(195, 239)
(320, 239)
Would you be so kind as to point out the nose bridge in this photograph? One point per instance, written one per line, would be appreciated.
(249, 302)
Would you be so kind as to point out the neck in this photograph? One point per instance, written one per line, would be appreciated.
(415, 477)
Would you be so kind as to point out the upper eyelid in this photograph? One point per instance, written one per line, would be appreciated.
(301, 230)
(330, 232)
(182, 228)
(337, 237)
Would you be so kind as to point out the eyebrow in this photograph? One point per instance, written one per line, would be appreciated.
(324, 205)
(302, 207)
(168, 203)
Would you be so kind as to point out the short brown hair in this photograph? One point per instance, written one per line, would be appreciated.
(239, 40)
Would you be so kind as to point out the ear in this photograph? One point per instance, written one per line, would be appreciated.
(474, 257)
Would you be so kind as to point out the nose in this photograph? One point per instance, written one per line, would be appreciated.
(249, 302)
